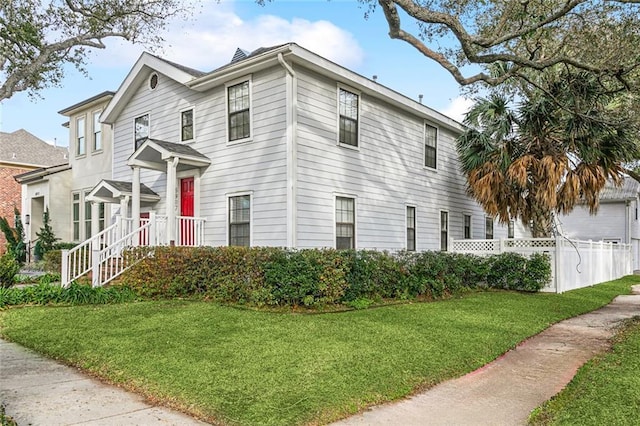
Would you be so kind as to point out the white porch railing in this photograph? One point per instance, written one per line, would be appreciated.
(574, 264)
(102, 253)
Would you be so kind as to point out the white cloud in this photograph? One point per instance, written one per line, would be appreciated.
(457, 108)
(211, 39)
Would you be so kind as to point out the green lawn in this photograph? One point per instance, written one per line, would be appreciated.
(246, 367)
(606, 390)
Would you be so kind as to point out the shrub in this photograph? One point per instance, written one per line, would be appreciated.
(53, 261)
(76, 294)
(9, 267)
(513, 271)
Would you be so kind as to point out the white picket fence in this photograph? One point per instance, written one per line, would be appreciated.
(574, 263)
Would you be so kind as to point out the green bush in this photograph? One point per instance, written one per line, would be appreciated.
(319, 277)
(9, 267)
(53, 261)
(45, 293)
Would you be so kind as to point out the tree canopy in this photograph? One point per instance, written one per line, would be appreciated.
(38, 38)
(555, 148)
(523, 36)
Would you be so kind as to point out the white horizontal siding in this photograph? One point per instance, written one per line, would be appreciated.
(385, 174)
(608, 223)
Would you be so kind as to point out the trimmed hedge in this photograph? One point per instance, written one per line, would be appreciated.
(318, 277)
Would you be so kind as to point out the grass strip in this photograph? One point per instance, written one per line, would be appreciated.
(239, 366)
(605, 391)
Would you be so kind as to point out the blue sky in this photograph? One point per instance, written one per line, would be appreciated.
(335, 29)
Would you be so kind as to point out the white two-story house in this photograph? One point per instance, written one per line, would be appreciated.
(282, 147)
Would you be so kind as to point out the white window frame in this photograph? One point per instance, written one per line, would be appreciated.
(79, 136)
(511, 229)
(80, 220)
(193, 124)
(235, 82)
(355, 218)
(424, 144)
(358, 127)
(94, 115)
(86, 210)
(135, 141)
(470, 216)
(228, 222)
(440, 230)
(415, 227)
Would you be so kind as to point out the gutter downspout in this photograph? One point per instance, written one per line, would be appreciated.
(292, 152)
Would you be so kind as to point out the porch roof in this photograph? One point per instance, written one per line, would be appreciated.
(154, 154)
(112, 191)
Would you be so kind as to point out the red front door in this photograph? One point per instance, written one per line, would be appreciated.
(186, 209)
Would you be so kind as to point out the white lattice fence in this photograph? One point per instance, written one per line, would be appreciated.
(574, 264)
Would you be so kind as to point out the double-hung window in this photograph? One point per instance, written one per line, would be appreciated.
(76, 216)
(239, 104)
(488, 228)
(186, 125)
(97, 132)
(81, 147)
(348, 108)
(467, 226)
(240, 220)
(444, 231)
(141, 130)
(511, 229)
(87, 216)
(345, 223)
(411, 228)
(430, 146)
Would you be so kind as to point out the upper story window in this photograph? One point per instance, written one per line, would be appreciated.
(240, 220)
(186, 125)
(348, 109)
(430, 145)
(511, 231)
(411, 228)
(467, 226)
(97, 132)
(444, 231)
(141, 129)
(345, 223)
(239, 105)
(81, 147)
(488, 228)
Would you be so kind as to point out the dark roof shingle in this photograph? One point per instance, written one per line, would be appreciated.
(21, 147)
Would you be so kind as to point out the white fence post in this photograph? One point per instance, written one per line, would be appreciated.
(152, 229)
(559, 277)
(64, 278)
(95, 262)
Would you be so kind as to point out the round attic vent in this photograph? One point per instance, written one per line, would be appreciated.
(153, 81)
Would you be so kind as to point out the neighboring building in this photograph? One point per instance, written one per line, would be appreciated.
(21, 152)
(616, 220)
(90, 156)
(282, 147)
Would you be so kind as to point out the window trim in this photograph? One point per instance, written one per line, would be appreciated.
(406, 227)
(135, 141)
(87, 207)
(248, 78)
(337, 195)
(470, 216)
(83, 136)
(486, 222)
(238, 194)
(342, 87)
(511, 229)
(193, 124)
(95, 115)
(447, 230)
(424, 145)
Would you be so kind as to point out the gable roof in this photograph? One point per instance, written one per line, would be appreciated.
(41, 173)
(627, 191)
(243, 64)
(23, 148)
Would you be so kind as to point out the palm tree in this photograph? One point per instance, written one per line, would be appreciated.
(557, 148)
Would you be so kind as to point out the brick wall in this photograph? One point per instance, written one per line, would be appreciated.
(10, 196)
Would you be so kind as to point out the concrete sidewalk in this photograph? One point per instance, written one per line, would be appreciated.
(506, 390)
(38, 391)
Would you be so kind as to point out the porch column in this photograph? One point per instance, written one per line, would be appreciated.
(124, 207)
(135, 195)
(95, 218)
(172, 166)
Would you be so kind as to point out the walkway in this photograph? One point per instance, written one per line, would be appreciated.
(39, 391)
(506, 390)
